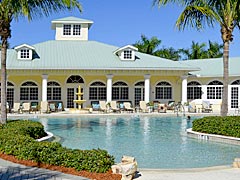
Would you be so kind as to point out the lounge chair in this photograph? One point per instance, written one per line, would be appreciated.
(127, 107)
(34, 107)
(52, 107)
(206, 107)
(44, 107)
(26, 107)
(192, 107)
(143, 106)
(114, 107)
(103, 106)
(16, 108)
(155, 106)
(171, 105)
(60, 106)
(237, 110)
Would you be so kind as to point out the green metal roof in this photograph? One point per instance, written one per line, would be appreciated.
(71, 19)
(88, 55)
(214, 67)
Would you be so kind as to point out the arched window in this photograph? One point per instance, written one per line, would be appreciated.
(141, 83)
(97, 91)
(120, 91)
(215, 83)
(139, 92)
(29, 91)
(237, 82)
(163, 90)
(10, 94)
(194, 90)
(53, 91)
(75, 79)
(214, 90)
(235, 94)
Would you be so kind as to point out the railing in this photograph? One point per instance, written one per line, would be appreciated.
(179, 108)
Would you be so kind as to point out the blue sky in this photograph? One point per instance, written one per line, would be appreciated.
(121, 23)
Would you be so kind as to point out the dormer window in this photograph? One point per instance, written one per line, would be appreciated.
(24, 52)
(71, 29)
(126, 53)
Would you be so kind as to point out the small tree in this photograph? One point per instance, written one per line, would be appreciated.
(198, 14)
(13, 9)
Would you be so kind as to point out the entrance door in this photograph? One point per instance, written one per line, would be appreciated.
(234, 97)
(71, 95)
(138, 93)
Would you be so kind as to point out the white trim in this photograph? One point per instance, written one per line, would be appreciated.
(46, 138)
(24, 46)
(125, 47)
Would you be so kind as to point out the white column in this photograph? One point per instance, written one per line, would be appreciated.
(204, 92)
(109, 87)
(44, 87)
(147, 88)
(184, 89)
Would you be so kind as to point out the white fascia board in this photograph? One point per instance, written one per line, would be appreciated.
(24, 46)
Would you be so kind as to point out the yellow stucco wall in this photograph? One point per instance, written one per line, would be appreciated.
(89, 77)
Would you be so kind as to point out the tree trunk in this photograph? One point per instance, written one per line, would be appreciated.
(3, 82)
(224, 108)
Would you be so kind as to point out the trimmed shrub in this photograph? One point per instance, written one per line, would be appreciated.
(227, 126)
(18, 138)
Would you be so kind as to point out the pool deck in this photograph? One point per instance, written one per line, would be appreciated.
(13, 171)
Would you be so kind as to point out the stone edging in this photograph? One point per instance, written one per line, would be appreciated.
(49, 137)
(213, 137)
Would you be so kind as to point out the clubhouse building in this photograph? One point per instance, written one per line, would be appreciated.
(53, 71)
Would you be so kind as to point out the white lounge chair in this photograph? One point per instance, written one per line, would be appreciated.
(143, 106)
(206, 107)
(103, 106)
(114, 107)
(127, 107)
(44, 107)
(192, 107)
(26, 107)
(16, 108)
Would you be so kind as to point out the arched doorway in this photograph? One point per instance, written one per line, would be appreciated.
(235, 91)
(73, 83)
(138, 92)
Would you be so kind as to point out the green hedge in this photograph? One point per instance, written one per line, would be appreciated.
(227, 126)
(18, 138)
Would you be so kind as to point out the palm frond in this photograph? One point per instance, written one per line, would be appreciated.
(196, 17)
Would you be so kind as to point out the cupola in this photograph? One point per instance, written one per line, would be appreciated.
(71, 28)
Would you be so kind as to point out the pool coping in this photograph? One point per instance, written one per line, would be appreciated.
(49, 137)
(186, 170)
(213, 137)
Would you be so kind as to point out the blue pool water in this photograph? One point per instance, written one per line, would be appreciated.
(155, 142)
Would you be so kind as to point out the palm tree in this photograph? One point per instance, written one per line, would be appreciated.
(201, 13)
(200, 51)
(8, 45)
(13, 9)
(146, 45)
(168, 53)
(196, 51)
(214, 50)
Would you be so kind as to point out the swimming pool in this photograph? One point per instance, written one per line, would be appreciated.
(155, 142)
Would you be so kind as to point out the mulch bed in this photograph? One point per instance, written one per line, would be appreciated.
(92, 176)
